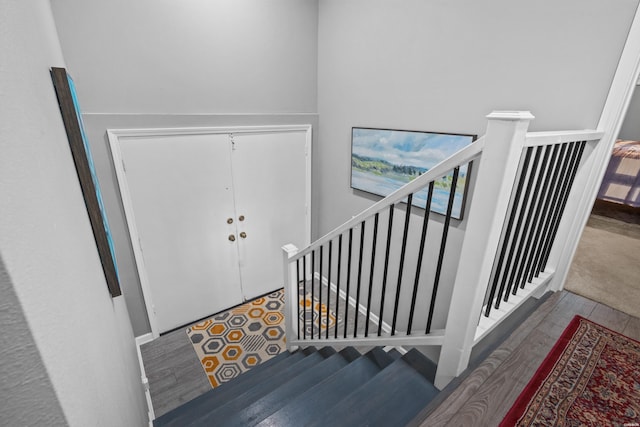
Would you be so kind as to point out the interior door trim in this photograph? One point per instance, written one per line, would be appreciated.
(117, 137)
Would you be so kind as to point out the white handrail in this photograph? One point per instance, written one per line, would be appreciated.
(534, 139)
(461, 157)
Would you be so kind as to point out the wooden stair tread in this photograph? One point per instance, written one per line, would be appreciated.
(317, 387)
(271, 402)
(259, 390)
(392, 397)
(271, 366)
(317, 400)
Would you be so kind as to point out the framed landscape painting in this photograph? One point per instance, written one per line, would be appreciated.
(383, 160)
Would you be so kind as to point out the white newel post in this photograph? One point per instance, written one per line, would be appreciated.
(504, 140)
(290, 295)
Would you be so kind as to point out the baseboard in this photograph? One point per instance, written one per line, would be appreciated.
(143, 339)
(375, 319)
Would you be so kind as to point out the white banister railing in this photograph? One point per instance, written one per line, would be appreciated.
(504, 139)
(516, 214)
(463, 156)
(522, 190)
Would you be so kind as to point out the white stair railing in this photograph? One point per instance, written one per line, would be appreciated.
(491, 237)
(494, 231)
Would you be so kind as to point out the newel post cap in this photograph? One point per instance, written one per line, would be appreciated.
(511, 115)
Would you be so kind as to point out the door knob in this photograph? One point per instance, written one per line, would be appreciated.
(243, 235)
(241, 218)
(229, 220)
(232, 237)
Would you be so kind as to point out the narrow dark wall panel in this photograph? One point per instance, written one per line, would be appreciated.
(88, 182)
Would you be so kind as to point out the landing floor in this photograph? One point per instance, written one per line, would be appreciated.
(489, 391)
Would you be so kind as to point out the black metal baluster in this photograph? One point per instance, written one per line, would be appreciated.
(304, 296)
(338, 285)
(386, 268)
(355, 325)
(443, 244)
(538, 217)
(520, 234)
(423, 236)
(572, 177)
(516, 267)
(507, 234)
(552, 173)
(320, 294)
(570, 160)
(558, 178)
(296, 297)
(528, 229)
(328, 291)
(313, 287)
(346, 304)
(373, 263)
(407, 218)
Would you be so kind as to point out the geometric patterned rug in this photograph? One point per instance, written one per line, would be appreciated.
(591, 377)
(234, 341)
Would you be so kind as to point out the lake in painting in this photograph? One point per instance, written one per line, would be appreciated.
(384, 160)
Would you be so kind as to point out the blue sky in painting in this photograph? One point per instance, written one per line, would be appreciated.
(407, 148)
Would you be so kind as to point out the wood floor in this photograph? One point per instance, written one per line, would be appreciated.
(174, 371)
(481, 399)
(484, 397)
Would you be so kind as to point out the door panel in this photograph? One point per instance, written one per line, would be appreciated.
(269, 178)
(182, 196)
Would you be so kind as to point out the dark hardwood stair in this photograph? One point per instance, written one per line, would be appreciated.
(317, 387)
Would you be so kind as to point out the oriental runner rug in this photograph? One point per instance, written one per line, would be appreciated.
(234, 341)
(591, 377)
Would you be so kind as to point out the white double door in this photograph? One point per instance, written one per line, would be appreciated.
(211, 213)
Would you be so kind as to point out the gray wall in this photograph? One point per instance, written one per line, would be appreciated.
(631, 125)
(29, 397)
(417, 65)
(156, 63)
(195, 56)
(444, 65)
(52, 284)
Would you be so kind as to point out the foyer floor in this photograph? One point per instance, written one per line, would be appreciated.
(174, 371)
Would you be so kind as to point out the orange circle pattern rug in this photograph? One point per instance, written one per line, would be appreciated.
(591, 377)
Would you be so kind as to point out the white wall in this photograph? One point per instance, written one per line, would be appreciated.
(194, 56)
(28, 396)
(444, 65)
(631, 125)
(438, 65)
(153, 63)
(83, 336)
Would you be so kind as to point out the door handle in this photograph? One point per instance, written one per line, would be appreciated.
(241, 218)
(232, 237)
(243, 235)
(229, 220)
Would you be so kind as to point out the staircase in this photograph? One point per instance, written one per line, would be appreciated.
(505, 253)
(317, 387)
